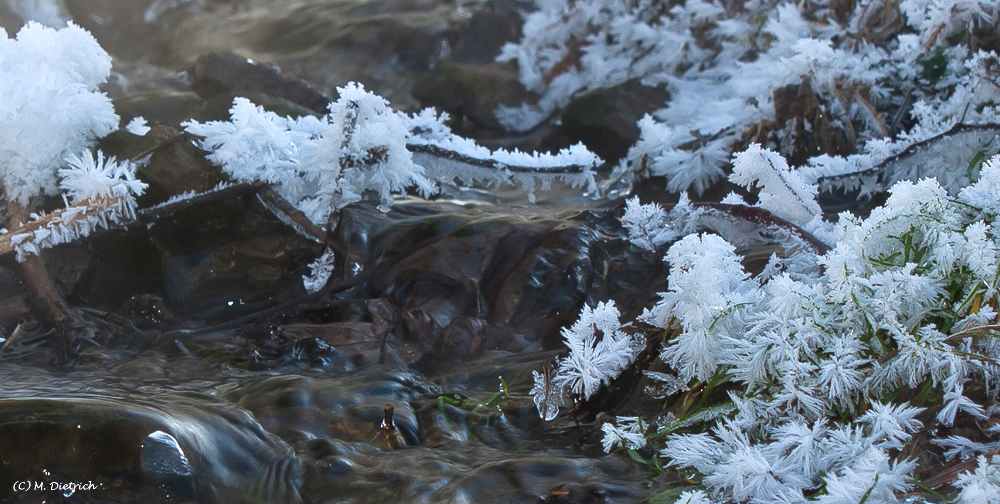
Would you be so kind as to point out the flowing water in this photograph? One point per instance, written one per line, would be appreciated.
(212, 376)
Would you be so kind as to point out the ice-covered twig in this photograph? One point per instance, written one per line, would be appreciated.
(322, 164)
(782, 190)
(100, 191)
(960, 146)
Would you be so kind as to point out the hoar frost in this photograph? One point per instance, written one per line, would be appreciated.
(321, 164)
(895, 307)
(51, 113)
(51, 106)
(724, 65)
(599, 350)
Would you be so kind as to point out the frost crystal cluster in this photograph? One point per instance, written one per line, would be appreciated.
(829, 374)
(321, 164)
(727, 68)
(51, 113)
(598, 352)
(50, 107)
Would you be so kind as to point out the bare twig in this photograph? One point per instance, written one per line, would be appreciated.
(35, 272)
(279, 203)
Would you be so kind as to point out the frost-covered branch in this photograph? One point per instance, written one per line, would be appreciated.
(726, 68)
(98, 192)
(322, 164)
(951, 156)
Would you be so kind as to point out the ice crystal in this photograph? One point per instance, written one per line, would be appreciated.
(783, 192)
(98, 192)
(137, 126)
(708, 290)
(813, 348)
(627, 432)
(982, 485)
(321, 164)
(591, 361)
(599, 350)
(319, 272)
(51, 106)
(891, 424)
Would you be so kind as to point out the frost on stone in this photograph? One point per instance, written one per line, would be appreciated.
(51, 106)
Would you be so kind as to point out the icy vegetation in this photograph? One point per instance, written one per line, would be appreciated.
(812, 379)
(828, 374)
(725, 67)
(51, 106)
(51, 114)
(321, 164)
(815, 377)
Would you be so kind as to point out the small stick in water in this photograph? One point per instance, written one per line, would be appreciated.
(387, 423)
(387, 431)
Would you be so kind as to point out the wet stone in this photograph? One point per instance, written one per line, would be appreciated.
(228, 73)
(161, 455)
(229, 258)
(495, 23)
(175, 165)
(605, 119)
(470, 92)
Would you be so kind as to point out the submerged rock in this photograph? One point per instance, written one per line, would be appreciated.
(164, 447)
(605, 120)
(470, 92)
(228, 73)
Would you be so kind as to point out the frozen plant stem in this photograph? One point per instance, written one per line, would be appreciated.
(35, 272)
